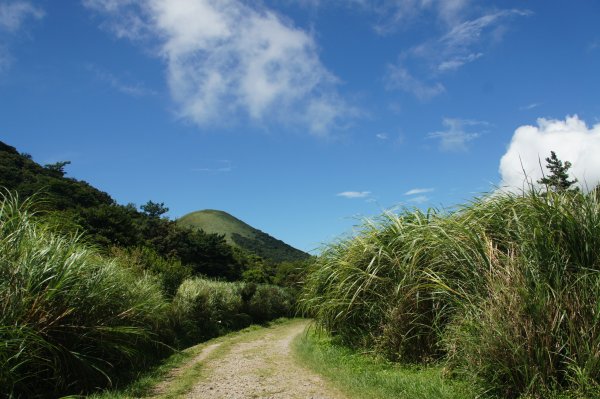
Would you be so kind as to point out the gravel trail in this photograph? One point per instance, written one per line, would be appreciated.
(262, 366)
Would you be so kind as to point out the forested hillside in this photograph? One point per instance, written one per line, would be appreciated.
(74, 205)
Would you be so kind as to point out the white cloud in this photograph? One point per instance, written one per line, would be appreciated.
(14, 14)
(571, 139)
(415, 191)
(228, 56)
(456, 137)
(354, 194)
(382, 136)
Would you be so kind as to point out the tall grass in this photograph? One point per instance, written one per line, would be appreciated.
(70, 320)
(505, 288)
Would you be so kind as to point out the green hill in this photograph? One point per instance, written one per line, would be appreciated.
(242, 235)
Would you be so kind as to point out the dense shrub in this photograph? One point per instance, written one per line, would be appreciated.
(203, 308)
(169, 272)
(269, 302)
(70, 320)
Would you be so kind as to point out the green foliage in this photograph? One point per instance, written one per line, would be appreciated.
(558, 180)
(505, 289)
(70, 320)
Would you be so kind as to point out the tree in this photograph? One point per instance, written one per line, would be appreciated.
(558, 180)
(154, 209)
(58, 167)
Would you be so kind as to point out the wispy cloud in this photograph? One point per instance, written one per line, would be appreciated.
(135, 89)
(13, 17)
(419, 199)
(529, 106)
(464, 40)
(225, 57)
(456, 137)
(221, 166)
(398, 77)
(354, 194)
(458, 61)
(415, 191)
(382, 136)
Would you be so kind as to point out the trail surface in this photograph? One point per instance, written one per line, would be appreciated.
(260, 364)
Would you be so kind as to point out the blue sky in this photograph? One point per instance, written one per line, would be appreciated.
(300, 116)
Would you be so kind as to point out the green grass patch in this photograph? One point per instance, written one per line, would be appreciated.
(366, 376)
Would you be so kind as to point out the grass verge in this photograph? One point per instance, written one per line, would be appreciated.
(365, 376)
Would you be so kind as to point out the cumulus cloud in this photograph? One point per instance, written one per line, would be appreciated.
(571, 139)
(354, 194)
(415, 191)
(229, 56)
(456, 137)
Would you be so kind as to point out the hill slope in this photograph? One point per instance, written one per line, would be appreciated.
(242, 235)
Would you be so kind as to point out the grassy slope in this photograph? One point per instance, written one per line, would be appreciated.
(242, 235)
(214, 221)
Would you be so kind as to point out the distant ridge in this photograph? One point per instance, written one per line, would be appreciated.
(242, 235)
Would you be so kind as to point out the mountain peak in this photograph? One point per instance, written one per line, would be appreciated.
(242, 235)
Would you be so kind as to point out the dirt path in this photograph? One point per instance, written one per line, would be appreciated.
(260, 365)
